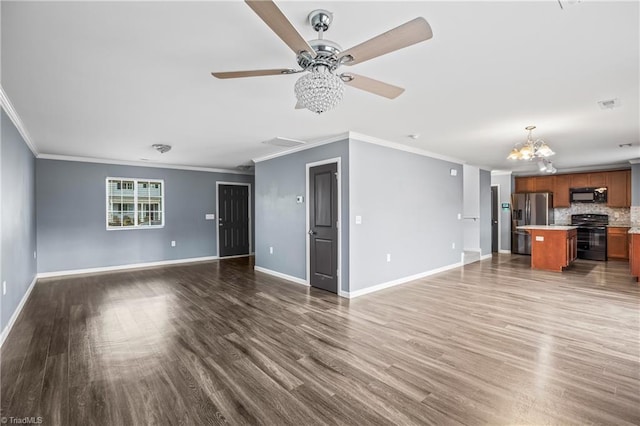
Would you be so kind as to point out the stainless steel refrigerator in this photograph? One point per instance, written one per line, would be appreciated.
(533, 208)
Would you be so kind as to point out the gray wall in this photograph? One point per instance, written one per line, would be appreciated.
(281, 223)
(71, 216)
(409, 206)
(504, 181)
(485, 212)
(18, 227)
(635, 184)
(471, 207)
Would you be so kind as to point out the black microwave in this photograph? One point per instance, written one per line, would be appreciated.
(588, 195)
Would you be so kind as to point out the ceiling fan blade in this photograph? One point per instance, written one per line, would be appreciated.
(252, 73)
(405, 35)
(374, 86)
(269, 12)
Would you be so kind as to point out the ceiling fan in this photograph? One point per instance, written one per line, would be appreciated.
(322, 87)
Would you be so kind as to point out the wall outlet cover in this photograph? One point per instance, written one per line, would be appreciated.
(299, 199)
(173, 243)
(358, 220)
(4, 288)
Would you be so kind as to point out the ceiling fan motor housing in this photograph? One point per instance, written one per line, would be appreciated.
(326, 55)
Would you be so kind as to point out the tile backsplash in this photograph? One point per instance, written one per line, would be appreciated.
(617, 215)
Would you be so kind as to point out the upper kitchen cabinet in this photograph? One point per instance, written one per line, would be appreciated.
(561, 191)
(617, 182)
(619, 188)
(525, 184)
(579, 180)
(598, 180)
(544, 183)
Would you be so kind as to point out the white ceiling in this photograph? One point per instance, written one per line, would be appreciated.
(109, 79)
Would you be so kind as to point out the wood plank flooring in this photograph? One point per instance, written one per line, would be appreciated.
(211, 343)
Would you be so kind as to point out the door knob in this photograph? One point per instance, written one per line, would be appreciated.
(312, 232)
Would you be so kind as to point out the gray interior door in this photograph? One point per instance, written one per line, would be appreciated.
(233, 220)
(494, 219)
(323, 232)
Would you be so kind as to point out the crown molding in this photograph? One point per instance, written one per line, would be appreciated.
(140, 164)
(501, 173)
(635, 161)
(7, 106)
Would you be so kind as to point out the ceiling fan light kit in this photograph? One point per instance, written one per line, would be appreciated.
(322, 88)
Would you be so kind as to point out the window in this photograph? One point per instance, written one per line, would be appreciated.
(135, 203)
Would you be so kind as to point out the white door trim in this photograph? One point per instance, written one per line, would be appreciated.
(338, 161)
(217, 220)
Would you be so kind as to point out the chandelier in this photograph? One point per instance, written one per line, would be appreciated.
(530, 149)
(320, 90)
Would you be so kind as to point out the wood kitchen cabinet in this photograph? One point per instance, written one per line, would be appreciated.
(544, 183)
(579, 180)
(561, 191)
(525, 184)
(618, 243)
(618, 183)
(619, 188)
(598, 179)
(634, 255)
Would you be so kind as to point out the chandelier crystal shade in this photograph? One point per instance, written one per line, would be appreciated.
(320, 90)
(530, 149)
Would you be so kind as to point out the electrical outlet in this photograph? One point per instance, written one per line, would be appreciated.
(4, 288)
(453, 246)
(173, 243)
(270, 250)
(388, 257)
(459, 216)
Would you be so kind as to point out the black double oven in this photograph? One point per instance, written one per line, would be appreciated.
(592, 235)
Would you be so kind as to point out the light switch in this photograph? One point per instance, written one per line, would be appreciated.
(453, 172)
(299, 199)
(358, 220)
(539, 238)
(209, 216)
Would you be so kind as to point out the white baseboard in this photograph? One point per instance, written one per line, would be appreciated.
(281, 275)
(486, 256)
(16, 313)
(403, 280)
(121, 267)
(504, 251)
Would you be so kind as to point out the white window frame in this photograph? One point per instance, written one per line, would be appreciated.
(135, 203)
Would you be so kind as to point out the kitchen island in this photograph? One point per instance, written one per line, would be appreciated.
(553, 247)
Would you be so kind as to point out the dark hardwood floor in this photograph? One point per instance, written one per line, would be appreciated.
(490, 343)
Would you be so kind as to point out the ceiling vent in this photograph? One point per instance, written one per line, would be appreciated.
(609, 103)
(286, 142)
(245, 167)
